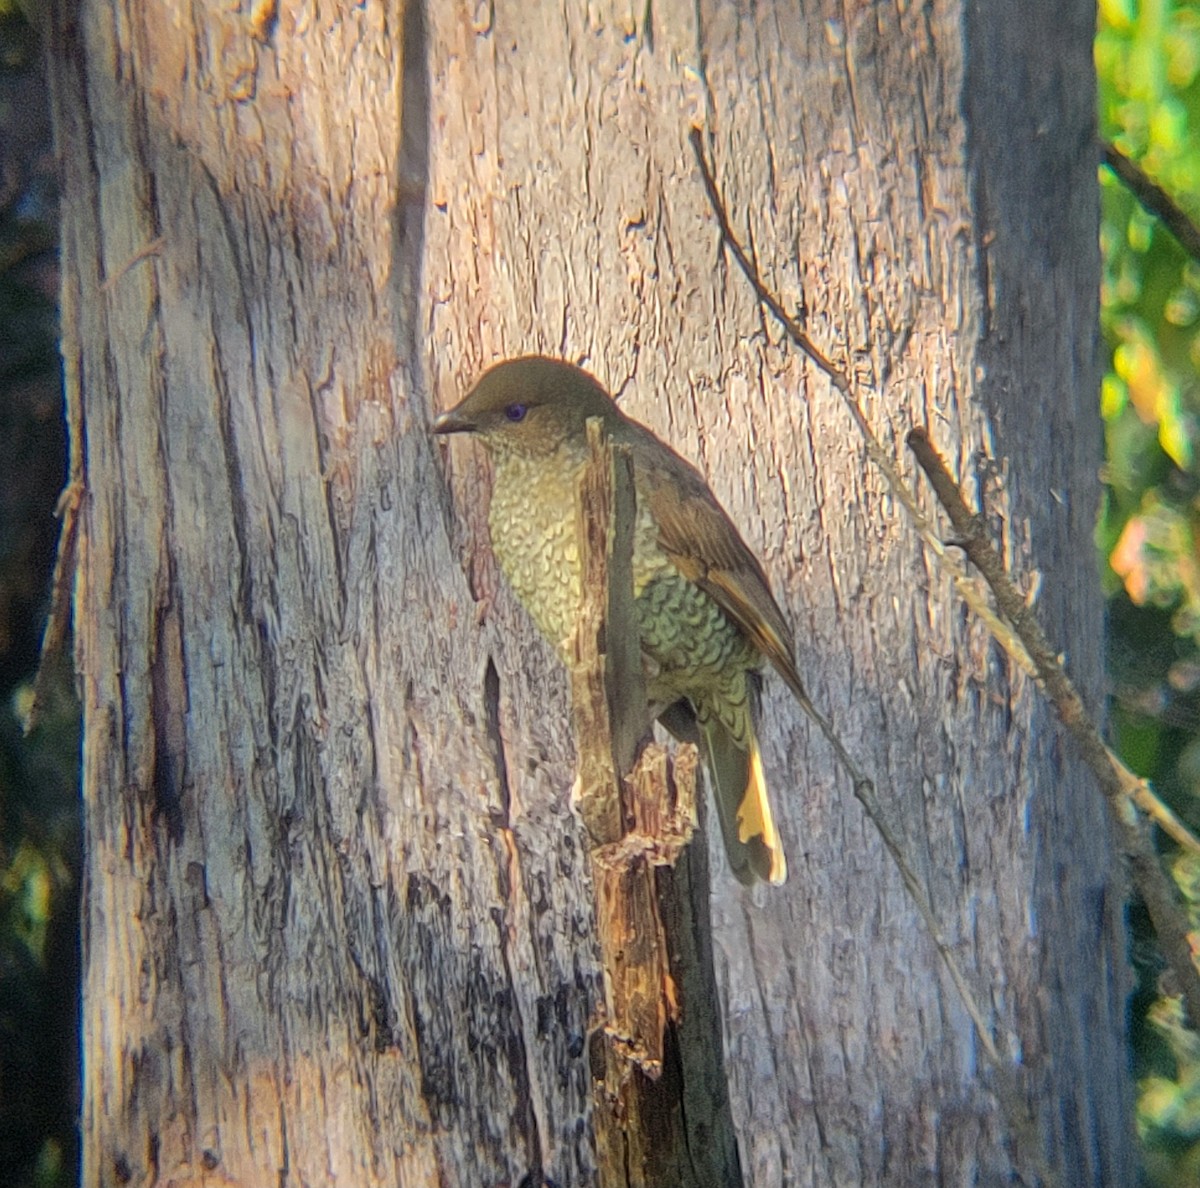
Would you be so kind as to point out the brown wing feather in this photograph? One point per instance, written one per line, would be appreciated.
(700, 539)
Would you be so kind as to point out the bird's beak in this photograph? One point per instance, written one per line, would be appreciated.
(453, 421)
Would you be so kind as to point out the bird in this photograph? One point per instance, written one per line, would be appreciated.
(703, 607)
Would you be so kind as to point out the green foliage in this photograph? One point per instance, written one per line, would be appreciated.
(39, 946)
(39, 801)
(1148, 60)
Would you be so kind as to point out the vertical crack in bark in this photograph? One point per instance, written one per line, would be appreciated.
(491, 706)
(411, 186)
(508, 872)
(284, 1153)
(168, 715)
(235, 479)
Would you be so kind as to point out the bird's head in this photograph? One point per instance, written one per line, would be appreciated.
(532, 405)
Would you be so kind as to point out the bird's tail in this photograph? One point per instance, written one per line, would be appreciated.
(740, 790)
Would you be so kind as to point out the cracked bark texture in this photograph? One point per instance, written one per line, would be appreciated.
(337, 918)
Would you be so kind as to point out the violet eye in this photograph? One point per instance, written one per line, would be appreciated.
(515, 412)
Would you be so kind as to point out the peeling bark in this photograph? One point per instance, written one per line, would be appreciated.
(338, 921)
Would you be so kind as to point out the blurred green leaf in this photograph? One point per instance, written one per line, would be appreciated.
(1148, 63)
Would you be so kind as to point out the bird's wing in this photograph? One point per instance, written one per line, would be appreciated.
(703, 544)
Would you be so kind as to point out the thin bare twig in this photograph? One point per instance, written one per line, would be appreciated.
(864, 789)
(1049, 673)
(1002, 630)
(1116, 781)
(968, 589)
(1153, 198)
(1146, 871)
(58, 621)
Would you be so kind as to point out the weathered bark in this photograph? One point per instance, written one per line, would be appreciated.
(338, 921)
(660, 1095)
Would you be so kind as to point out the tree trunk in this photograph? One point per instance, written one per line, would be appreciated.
(338, 927)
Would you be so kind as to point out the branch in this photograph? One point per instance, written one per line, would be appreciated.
(1116, 781)
(58, 620)
(661, 1110)
(1153, 198)
(1146, 871)
(968, 590)
(1049, 673)
(864, 790)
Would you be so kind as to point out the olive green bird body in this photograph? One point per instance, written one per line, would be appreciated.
(689, 642)
(704, 611)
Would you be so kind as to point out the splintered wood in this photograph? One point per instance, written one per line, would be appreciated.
(640, 994)
(636, 813)
(651, 892)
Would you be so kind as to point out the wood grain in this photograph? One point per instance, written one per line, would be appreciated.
(338, 917)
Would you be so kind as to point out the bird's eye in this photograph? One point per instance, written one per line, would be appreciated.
(515, 412)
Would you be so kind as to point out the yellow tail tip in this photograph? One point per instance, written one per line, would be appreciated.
(756, 823)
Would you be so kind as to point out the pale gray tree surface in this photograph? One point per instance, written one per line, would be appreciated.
(337, 919)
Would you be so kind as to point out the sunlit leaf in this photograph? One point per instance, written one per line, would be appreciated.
(1127, 562)
(1114, 396)
(1140, 231)
(1182, 307)
(1117, 14)
(1158, 1101)
(1183, 56)
(1168, 125)
(1136, 362)
(27, 884)
(1174, 429)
